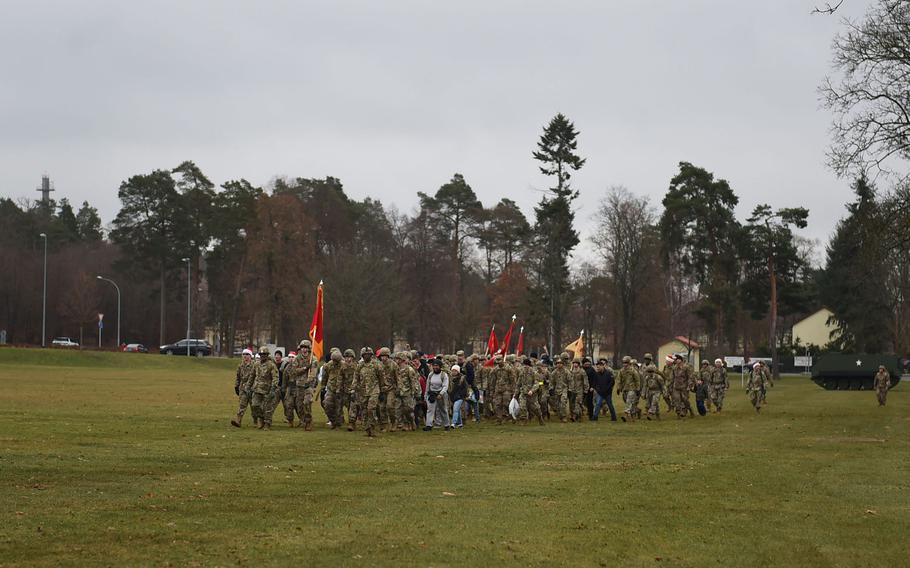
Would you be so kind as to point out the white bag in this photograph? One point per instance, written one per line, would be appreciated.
(513, 408)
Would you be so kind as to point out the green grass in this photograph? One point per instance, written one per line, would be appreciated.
(121, 459)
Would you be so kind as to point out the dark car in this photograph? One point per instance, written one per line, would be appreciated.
(197, 347)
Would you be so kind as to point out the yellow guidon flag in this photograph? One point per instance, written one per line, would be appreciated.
(316, 330)
(577, 347)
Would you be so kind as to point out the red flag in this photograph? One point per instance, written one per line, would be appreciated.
(521, 341)
(504, 348)
(316, 327)
(492, 342)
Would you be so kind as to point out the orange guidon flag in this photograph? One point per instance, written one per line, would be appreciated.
(577, 347)
(316, 329)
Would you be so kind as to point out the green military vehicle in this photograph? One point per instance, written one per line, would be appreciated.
(855, 371)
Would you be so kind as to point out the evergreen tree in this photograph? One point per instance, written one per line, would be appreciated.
(700, 234)
(554, 227)
(771, 263)
(852, 284)
(88, 223)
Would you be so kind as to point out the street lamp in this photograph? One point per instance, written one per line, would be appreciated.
(44, 296)
(118, 305)
(188, 303)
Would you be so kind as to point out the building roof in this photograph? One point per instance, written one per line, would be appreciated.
(816, 312)
(685, 341)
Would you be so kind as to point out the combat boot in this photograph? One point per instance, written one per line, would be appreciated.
(370, 433)
(350, 426)
(261, 424)
(267, 426)
(237, 420)
(290, 423)
(309, 426)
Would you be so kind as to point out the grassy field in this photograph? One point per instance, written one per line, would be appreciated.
(124, 459)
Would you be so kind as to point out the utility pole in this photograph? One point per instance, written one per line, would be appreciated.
(189, 303)
(118, 305)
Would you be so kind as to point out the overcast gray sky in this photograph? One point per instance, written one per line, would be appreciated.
(394, 97)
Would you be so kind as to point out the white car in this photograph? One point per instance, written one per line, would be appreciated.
(64, 342)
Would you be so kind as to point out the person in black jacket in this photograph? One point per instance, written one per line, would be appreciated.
(602, 382)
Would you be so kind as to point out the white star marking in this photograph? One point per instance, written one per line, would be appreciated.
(859, 363)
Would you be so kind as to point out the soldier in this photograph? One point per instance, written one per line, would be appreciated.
(265, 386)
(528, 386)
(882, 384)
(682, 380)
(388, 395)
(304, 374)
(718, 385)
(504, 390)
(243, 385)
(653, 387)
(287, 389)
(366, 388)
(628, 385)
(668, 375)
(756, 385)
(578, 386)
(408, 389)
(543, 393)
(347, 379)
(768, 382)
(559, 382)
(334, 385)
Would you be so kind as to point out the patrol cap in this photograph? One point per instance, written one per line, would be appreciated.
(626, 359)
(510, 357)
(348, 352)
(366, 350)
(648, 356)
(704, 362)
(336, 355)
(263, 350)
(304, 343)
(384, 351)
(459, 353)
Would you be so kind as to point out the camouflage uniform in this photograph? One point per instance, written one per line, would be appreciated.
(347, 379)
(288, 391)
(408, 391)
(504, 378)
(717, 387)
(682, 380)
(882, 384)
(265, 386)
(769, 382)
(334, 385)
(543, 393)
(366, 389)
(388, 387)
(528, 387)
(756, 385)
(243, 385)
(304, 374)
(578, 386)
(559, 380)
(628, 384)
(653, 388)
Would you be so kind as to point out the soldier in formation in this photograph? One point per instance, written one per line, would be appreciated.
(399, 391)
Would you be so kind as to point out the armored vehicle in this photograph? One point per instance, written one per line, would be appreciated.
(855, 371)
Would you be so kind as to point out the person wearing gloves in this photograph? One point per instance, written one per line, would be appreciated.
(437, 397)
(459, 384)
(265, 387)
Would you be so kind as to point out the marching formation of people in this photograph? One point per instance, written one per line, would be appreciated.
(382, 391)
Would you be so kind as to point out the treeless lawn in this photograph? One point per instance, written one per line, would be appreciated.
(125, 459)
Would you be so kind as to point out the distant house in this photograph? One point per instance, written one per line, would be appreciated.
(814, 329)
(680, 345)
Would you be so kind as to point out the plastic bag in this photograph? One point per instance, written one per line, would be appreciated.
(513, 408)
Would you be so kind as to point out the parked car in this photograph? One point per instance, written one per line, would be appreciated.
(197, 347)
(64, 342)
(136, 348)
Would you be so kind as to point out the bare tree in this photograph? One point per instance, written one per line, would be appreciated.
(622, 220)
(870, 94)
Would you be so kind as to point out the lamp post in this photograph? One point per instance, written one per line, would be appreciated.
(118, 305)
(44, 296)
(189, 303)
